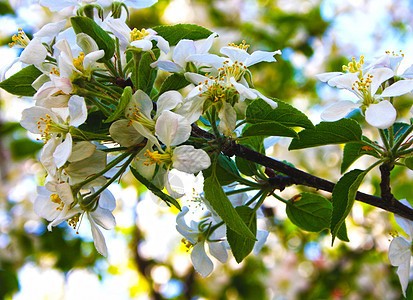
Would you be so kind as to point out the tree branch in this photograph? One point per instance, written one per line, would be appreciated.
(299, 177)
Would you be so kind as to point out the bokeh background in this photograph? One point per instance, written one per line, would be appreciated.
(146, 257)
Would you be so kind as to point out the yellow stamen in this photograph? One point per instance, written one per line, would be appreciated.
(136, 34)
(21, 40)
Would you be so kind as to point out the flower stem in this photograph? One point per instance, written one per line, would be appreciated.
(89, 199)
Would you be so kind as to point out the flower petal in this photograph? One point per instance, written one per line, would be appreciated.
(98, 238)
(34, 54)
(124, 134)
(398, 88)
(404, 274)
(381, 115)
(261, 239)
(338, 110)
(190, 160)
(168, 66)
(77, 110)
(172, 129)
(259, 56)
(63, 151)
(202, 263)
(217, 250)
(103, 217)
(379, 76)
(405, 224)
(399, 251)
(168, 101)
(81, 150)
(324, 77)
(183, 49)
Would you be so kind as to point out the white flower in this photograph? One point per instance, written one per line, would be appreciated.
(238, 59)
(224, 92)
(58, 206)
(400, 250)
(172, 129)
(381, 113)
(196, 236)
(54, 125)
(182, 53)
(141, 39)
(139, 122)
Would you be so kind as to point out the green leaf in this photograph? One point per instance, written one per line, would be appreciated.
(174, 82)
(342, 233)
(226, 170)
(312, 212)
(399, 129)
(223, 207)
(174, 33)
(147, 74)
(409, 162)
(123, 102)
(353, 151)
(24, 147)
(95, 123)
(343, 197)
(269, 129)
(20, 84)
(100, 36)
(326, 133)
(240, 245)
(260, 111)
(247, 167)
(168, 199)
(5, 8)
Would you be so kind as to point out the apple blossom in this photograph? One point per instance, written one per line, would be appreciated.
(400, 250)
(182, 54)
(196, 235)
(141, 39)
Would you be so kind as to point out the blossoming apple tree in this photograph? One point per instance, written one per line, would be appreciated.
(99, 113)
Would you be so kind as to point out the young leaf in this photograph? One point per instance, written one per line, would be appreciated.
(168, 199)
(312, 212)
(409, 162)
(174, 33)
(226, 170)
(20, 84)
(123, 102)
(147, 74)
(223, 207)
(240, 245)
(344, 194)
(353, 151)
(326, 133)
(102, 39)
(398, 129)
(260, 111)
(174, 82)
(269, 129)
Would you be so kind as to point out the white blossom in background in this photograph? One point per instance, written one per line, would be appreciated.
(400, 250)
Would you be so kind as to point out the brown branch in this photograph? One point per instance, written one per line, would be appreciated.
(299, 177)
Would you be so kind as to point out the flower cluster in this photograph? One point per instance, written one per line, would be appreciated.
(98, 114)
